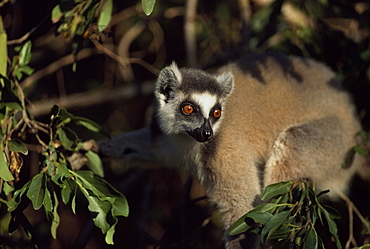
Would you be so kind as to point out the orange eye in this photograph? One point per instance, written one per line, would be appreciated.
(188, 109)
(217, 113)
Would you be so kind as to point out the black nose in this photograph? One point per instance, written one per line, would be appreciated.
(206, 130)
(206, 134)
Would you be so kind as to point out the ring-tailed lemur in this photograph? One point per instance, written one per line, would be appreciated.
(263, 119)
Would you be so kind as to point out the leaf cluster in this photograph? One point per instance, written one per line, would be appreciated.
(57, 141)
(290, 218)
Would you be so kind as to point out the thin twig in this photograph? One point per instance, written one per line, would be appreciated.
(125, 61)
(351, 239)
(124, 46)
(352, 206)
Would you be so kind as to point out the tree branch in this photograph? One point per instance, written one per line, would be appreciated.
(81, 100)
(245, 14)
(190, 32)
(62, 62)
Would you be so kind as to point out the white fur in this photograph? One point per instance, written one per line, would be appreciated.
(206, 101)
(176, 71)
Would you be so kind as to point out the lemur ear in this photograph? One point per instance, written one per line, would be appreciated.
(226, 81)
(169, 80)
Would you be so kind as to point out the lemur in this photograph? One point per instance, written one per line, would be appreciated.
(262, 119)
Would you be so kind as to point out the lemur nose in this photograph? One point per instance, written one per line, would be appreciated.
(206, 134)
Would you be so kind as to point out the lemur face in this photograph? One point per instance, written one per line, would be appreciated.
(190, 101)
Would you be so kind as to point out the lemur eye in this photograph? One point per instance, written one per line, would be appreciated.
(188, 109)
(217, 113)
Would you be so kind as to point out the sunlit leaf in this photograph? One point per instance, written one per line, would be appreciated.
(276, 189)
(27, 70)
(110, 233)
(17, 146)
(148, 6)
(94, 163)
(56, 14)
(105, 15)
(25, 54)
(7, 188)
(4, 168)
(73, 202)
(3, 50)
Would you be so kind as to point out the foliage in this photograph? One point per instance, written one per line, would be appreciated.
(57, 142)
(335, 32)
(290, 217)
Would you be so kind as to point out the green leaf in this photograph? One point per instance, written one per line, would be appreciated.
(17, 146)
(90, 125)
(276, 189)
(47, 202)
(7, 188)
(105, 15)
(148, 6)
(8, 96)
(273, 224)
(310, 240)
(101, 209)
(120, 206)
(25, 54)
(56, 219)
(73, 203)
(94, 163)
(36, 191)
(54, 112)
(239, 226)
(360, 150)
(333, 212)
(64, 114)
(67, 137)
(87, 123)
(4, 168)
(3, 49)
(56, 14)
(13, 203)
(67, 189)
(260, 217)
(27, 70)
(110, 233)
(332, 227)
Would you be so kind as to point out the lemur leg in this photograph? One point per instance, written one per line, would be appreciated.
(306, 151)
(132, 149)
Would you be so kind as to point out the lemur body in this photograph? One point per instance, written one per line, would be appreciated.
(261, 120)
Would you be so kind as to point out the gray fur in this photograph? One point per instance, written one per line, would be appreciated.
(280, 111)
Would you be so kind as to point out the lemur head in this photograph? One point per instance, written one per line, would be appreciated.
(190, 101)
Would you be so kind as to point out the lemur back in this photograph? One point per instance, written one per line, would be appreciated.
(263, 119)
